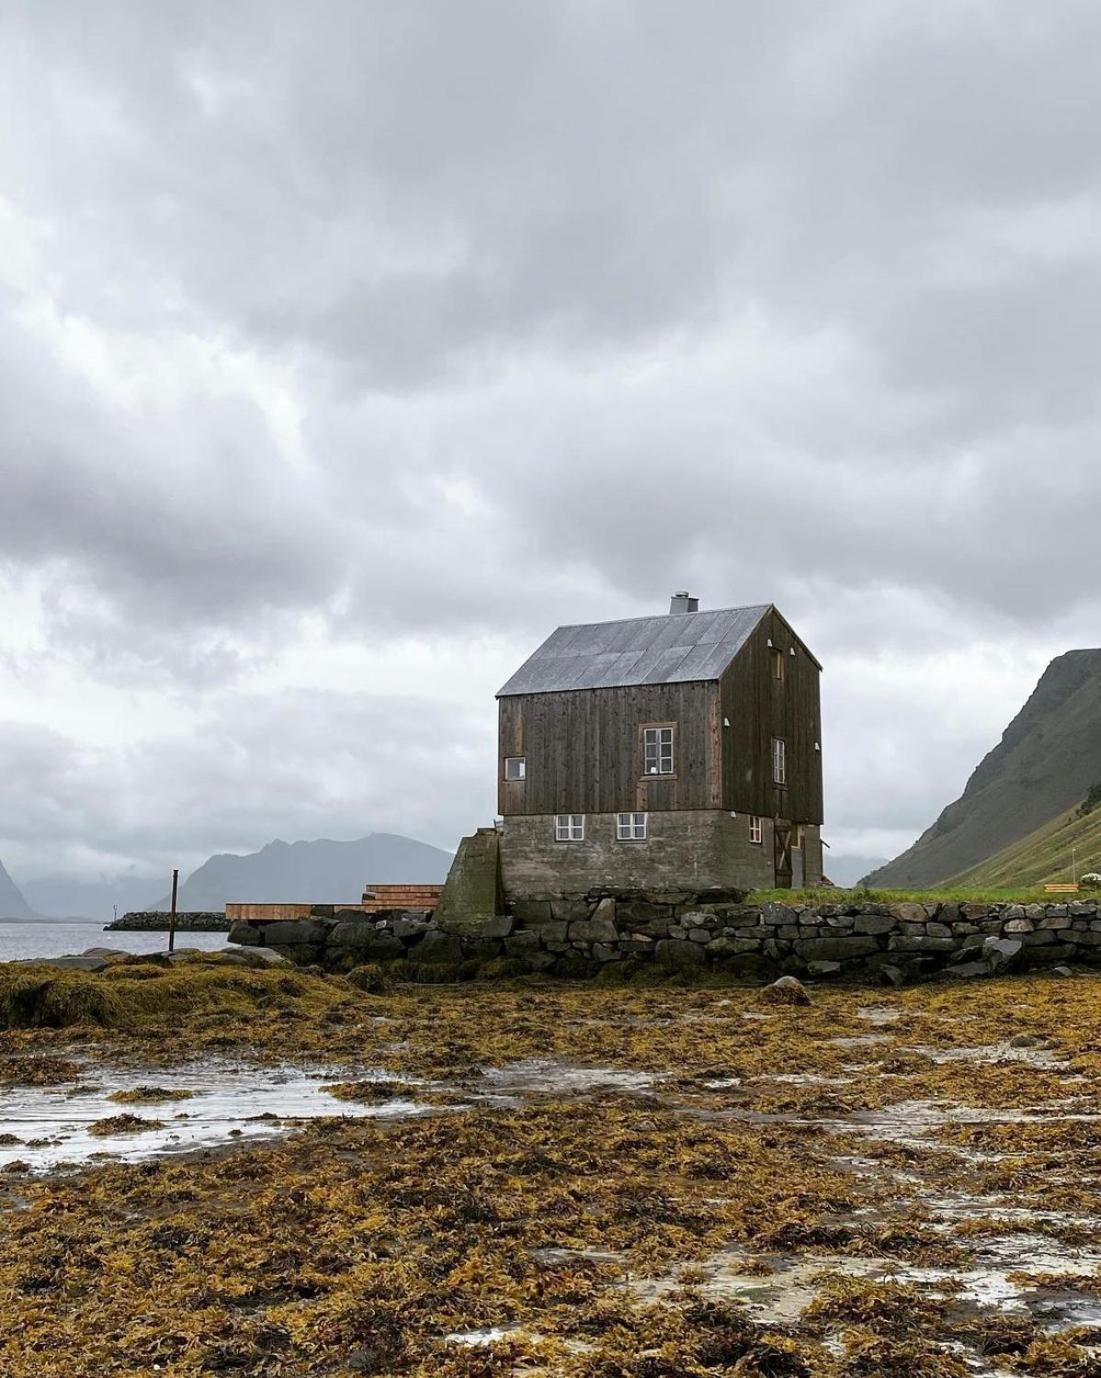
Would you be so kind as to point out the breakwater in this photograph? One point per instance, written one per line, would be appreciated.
(156, 921)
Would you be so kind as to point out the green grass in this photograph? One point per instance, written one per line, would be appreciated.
(1052, 853)
(954, 892)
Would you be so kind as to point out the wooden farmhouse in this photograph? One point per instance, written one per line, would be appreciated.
(673, 752)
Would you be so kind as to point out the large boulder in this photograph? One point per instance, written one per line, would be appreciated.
(294, 932)
(786, 991)
(673, 952)
(1000, 953)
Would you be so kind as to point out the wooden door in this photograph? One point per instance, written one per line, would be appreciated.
(782, 833)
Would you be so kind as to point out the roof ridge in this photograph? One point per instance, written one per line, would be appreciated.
(649, 616)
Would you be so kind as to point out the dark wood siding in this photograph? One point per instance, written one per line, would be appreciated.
(760, 708)
(583, 749)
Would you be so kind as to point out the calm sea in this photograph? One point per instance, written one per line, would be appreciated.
(56, 938)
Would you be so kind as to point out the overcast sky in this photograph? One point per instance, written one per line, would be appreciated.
(348, 348)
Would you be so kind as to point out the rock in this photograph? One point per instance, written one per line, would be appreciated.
(569, 911)
(1056, 921)
(1061, 971)
(531, 913)
(554, 933)
(938, 930)
(520, 944)
(594, 930)
(245, 934)
(605, 952)
(366, 940)
(966, 970)
(1018, 926)
(642, 914)
(438, 947)
(873, 923)
(822, 970)
(998, 953)
(786, 991)
(835, 949)
(908, 913)
(778, 913)
(291, 932)
(891, 975)
(921, 943)
(725, 946)
(671, 952)
(498, 927)
(408, 930)
(699, 935)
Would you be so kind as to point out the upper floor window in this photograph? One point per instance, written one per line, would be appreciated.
(569, 827)
(657, 751)
(515, 767)
(779, 761)
(631, 827)
(776, 656)
(756, 830)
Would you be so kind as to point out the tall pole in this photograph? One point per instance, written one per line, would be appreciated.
(172, 916)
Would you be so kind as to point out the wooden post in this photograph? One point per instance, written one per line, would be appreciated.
(172, 916)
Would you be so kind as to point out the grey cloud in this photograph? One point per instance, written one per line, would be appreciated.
(436, 320)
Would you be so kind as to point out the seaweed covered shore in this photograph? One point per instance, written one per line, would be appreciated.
(659, 1182)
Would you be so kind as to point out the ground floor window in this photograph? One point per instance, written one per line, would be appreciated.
(631, 827)
(569, 827)
(756, 831)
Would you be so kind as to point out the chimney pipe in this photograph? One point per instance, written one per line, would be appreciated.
(683, 602)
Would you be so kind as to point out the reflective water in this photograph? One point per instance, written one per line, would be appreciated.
(54, 938)
(52, 1125)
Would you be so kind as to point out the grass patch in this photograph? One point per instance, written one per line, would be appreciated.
(967, 894)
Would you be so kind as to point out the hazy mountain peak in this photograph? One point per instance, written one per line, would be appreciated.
(12, 903)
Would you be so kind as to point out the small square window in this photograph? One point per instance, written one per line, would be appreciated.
(779, 761)
(515, 767)
(569, 827)
(657, 751)
(756, 830)
(631, 827)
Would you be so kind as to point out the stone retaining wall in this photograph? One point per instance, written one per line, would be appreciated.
(578, 935)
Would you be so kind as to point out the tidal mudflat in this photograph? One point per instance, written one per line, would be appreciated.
(590, 1181)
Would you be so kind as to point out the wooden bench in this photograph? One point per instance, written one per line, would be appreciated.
(1061, 889)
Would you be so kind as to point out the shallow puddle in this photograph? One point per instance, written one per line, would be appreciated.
(546, 1075)
(52, 1126)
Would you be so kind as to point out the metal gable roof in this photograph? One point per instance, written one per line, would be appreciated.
(676, 648)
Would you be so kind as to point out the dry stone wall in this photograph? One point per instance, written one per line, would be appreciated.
(579, 935)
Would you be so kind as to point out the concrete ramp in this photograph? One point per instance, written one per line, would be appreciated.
(472, 893)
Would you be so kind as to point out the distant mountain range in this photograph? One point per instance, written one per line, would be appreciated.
(12, 903)
(322, 871)
(1045, 764)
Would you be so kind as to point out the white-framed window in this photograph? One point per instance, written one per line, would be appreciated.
(797, 836)
(631, 827)
(756, 829)
(776, 655)
(779, 761)
(657, 751)
(569, 827)
(516, 767)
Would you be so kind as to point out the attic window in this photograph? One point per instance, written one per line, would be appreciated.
(515, 767)
(657, 751)
(777, 657)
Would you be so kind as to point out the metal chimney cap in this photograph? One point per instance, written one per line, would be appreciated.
(682, 601)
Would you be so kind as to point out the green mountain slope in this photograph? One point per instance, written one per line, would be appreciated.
(1049, 756)
(1062, 850)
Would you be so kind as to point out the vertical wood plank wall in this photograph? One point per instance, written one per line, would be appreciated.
(583, 749)
(760, 708)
